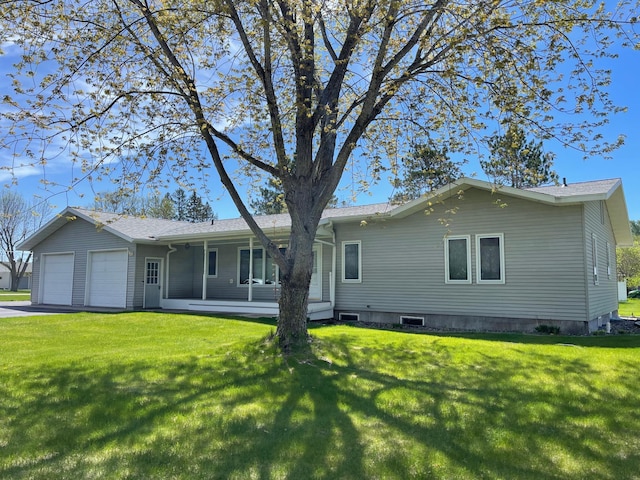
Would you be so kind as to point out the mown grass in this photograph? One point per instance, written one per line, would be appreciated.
(20, 295)
(151, 395)
(630, 308)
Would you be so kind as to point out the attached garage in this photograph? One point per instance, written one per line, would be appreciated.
(56, 284)
(107, 278)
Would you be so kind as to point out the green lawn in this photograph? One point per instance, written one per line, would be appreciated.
(20, 295)
(629, 308)
(152, 395)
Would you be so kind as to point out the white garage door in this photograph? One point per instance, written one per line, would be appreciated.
(57, 278)
(107, 279)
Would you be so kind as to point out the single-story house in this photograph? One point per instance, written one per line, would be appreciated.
(468, 256)
(5, 278)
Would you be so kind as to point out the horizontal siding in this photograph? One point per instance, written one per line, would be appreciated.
(403, 261)
(80, 236)
(603, 298)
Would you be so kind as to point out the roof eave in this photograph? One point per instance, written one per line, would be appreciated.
(619, 216)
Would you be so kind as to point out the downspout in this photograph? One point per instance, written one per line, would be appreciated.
(166, 290)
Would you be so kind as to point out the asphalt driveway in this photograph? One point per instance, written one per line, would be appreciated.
(25, 309)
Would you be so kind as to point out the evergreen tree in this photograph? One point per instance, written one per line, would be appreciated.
(179, 198)
(517, 162)
(197, 210)
(427, 168)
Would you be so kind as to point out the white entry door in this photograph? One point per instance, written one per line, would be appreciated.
(152, 282)
(315, 287)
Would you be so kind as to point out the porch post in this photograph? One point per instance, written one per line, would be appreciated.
(332, 276)
(205, 269)
(250, 294)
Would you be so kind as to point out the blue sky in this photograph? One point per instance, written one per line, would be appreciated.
(568, 164)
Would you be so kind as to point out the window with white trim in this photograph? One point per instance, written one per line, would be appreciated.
(212, 263)
(609, 256)
(490, 258)
(594, 258)
(352, 261)
(264, 270)
(457, 259)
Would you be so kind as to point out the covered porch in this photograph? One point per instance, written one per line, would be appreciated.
(316, 310)
(234, 275)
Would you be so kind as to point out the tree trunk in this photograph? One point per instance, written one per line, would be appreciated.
(294, 298)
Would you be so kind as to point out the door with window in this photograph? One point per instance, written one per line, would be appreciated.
(152, 282)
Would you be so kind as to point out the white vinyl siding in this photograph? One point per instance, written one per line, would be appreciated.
(490, 258)
(352, 261)
(457, 259)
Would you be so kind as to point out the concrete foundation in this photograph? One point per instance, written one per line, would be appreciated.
(474, 323)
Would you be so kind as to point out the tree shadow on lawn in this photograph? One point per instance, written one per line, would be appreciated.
(401, 410)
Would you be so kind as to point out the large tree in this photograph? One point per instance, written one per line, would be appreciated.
(270, 199)
(295, 89)
(517, 161)
(17, 220)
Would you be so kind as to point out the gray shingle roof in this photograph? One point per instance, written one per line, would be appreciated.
(135, 228)
(279, 221)
(598, 187)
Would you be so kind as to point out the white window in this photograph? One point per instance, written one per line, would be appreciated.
(490, 258)
(457, 259)
(212, 263)
(609, 256)
(594, 258)
(264, 270)
(352, 261)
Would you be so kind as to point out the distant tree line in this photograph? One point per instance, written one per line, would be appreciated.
(175, 206)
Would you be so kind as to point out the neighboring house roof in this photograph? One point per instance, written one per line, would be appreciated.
(150, 230)
(4, 268)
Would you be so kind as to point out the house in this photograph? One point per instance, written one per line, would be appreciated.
(469, 256)
(5, 278)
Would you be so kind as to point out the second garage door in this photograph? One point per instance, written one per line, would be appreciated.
(107, 279)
